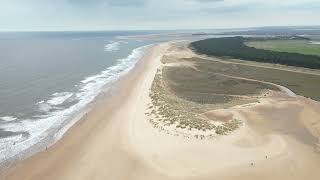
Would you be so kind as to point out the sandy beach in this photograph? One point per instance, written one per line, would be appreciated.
(278, 140)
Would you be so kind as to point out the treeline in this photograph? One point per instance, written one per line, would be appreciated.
(234, 47)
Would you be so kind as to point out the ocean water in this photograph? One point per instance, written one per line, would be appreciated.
(48, 79)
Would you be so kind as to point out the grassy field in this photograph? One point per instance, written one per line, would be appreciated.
(169, 109)
(207, 85)
(303, 84)
(180, 94)
(184, 89)
(293, 46)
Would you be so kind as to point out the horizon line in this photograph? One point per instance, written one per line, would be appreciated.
(178, 29)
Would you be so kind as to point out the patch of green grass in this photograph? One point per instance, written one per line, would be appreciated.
(303, 84)
(182, 112)
(206, 85)
(228, 127)
(292, 46)
(174, 110)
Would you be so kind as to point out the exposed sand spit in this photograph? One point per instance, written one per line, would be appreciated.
(291, 116)
(271, 140)
(279, 132)
(287, 118)
(179, 157)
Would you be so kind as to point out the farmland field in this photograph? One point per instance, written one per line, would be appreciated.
(293, 46)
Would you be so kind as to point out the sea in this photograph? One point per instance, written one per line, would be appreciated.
(48, 79)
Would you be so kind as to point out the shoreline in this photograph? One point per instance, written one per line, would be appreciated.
(56, 135)
(115, 140)
(57, 132)
(104, 110)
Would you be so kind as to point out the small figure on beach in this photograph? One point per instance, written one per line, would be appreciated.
(266, 157)
(251, 164)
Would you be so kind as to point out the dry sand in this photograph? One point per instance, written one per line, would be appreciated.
(115, 141)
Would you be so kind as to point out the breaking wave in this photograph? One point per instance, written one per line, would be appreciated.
(61, 110)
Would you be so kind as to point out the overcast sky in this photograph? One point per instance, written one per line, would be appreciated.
(154, 14)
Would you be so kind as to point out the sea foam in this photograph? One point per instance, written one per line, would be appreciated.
(59, 98)
(8, 118)
(113, 46)
(51, 126)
